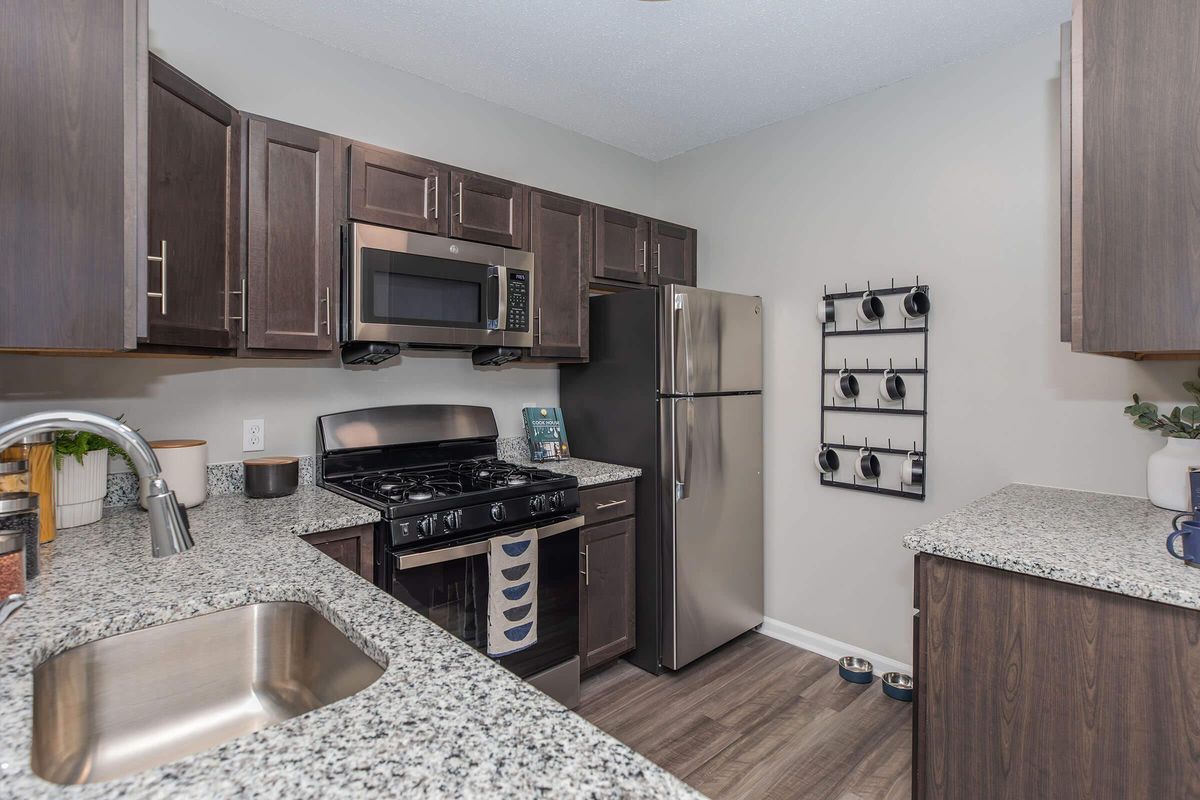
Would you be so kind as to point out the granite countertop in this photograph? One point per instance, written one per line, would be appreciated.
(589, 473)
(1101, 541)
(442, 720)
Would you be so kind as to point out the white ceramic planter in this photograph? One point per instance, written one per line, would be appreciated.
(79, 489)
(1166, 474)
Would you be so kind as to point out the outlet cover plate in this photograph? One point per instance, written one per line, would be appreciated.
(254, 435)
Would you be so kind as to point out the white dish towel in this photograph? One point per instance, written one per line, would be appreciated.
(512, 593)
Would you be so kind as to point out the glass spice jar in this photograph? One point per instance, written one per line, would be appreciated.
(19, 513)
(12, 563)
(38, 450)
(14, 475)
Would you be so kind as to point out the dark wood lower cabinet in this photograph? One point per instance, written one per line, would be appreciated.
(353, 548)
(1031, 688)
(292, 238)
(606, 587)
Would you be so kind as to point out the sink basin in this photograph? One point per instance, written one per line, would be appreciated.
(117, 706)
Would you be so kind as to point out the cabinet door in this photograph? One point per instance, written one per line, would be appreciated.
(672, 253)
(1135, 234)
(606, 592)
(292, 247)
(487, 210)
(399, 190)
(353, 548)
(561, 241)
(193, 225)
(72, 231)
(622, 246)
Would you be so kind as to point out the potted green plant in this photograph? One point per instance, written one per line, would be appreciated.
(81, 475)
(1166, 469)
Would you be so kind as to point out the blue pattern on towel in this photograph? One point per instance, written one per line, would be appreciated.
(515, 549)
(516, 592)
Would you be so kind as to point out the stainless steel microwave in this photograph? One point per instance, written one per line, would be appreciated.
(415, 289)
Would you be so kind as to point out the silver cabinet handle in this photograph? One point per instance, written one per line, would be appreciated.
(586, 571)
(436, 199)
(658, 258)
(160, 295)
(537, 333)
(327, 309)
(242, 294)
(460, 202)
(611, 504)
(643, 255)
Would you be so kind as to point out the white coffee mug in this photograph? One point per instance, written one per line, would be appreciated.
(891, 387)
(828, 461)
(866, 466)
(825, 311)
(912, 471)
(870, 308)
(846, 385)
(915, 304)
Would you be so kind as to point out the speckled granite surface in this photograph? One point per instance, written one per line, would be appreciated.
(442, 721)
(589, 473)
(226, 478)
(1102, 541)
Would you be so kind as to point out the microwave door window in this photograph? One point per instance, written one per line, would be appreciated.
(404, 289)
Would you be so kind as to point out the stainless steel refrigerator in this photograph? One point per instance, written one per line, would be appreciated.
(674, 386)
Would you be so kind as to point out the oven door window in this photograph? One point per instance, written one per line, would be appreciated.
(407, 289)
(454, 594)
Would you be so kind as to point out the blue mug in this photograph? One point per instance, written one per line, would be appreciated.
(1189, 531)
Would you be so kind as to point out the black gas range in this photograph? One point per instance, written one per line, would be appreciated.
(472, 494)
(433, 474)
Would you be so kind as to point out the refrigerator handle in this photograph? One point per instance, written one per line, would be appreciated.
(681, 310)
(683, 489)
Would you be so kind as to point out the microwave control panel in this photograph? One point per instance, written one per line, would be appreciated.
(518, 301)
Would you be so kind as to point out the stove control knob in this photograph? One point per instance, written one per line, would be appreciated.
(452, 519)
(425, 527)
(498, 513)
(537, 503)
(556, 500)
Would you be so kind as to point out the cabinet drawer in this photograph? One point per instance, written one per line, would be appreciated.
(602, 503)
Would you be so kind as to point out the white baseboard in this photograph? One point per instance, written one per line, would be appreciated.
(830, 648)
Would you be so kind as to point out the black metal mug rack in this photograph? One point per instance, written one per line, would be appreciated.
(920, 367)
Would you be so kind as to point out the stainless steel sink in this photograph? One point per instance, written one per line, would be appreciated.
(120, 705)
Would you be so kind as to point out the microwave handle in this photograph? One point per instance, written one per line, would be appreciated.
(414, 560)
(500, 276)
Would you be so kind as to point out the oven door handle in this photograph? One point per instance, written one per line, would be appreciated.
(414, 560)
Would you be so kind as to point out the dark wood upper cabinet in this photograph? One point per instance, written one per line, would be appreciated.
(487, 210)
(561, 242)
(606, 622)
(399, 190)
(1135, 233)
(73, 78)
(622, 246)
(672, 254)
(193, 222)
(292, 238)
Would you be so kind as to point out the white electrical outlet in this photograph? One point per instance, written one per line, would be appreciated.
(254, 435)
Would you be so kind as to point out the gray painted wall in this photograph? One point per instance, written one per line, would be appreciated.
(952, 175)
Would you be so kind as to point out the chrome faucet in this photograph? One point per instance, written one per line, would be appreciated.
(168, 529)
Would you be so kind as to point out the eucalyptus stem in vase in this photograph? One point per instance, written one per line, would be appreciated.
(1167, 469)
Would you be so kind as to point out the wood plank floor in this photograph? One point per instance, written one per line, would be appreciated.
(759, 719)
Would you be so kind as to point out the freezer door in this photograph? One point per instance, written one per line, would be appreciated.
(711, 342)
(712, 522)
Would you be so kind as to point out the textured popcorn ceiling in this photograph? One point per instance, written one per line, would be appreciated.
(659, 78)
